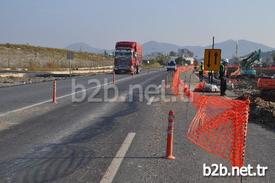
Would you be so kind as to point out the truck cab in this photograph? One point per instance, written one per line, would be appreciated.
(128, 57)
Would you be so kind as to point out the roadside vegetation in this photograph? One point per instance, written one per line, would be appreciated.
(160, 60)
(36, 58)
(149, 65)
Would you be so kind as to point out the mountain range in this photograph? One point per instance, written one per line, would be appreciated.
(228, 48)
(84, 47)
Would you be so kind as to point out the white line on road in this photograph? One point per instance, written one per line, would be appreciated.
(47, 101)
(64, 96)
(24, 108)
(116, 162)
(151, 100)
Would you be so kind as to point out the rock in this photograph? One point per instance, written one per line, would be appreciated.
(272, 105)
(211, 88)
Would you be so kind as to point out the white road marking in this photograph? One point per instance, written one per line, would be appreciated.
(47, 101)
(151, 100)
(116, 162)
(154, 99)
(64, 96)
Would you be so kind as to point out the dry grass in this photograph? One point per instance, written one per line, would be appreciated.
(42, 58)
(154, 65)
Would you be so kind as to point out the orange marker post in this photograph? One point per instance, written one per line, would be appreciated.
(114, 77)
(170, 136)
(54, 92)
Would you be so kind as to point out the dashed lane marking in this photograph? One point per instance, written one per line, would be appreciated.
(116, 162)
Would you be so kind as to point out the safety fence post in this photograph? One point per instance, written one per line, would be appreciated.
(54, 92)
(114, 77)
(170, 136)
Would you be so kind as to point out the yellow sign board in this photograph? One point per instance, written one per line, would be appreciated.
(212, 59)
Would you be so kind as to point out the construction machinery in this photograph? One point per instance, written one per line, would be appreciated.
(247, 63)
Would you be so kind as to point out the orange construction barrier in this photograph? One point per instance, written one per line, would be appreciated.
(219, 127)
(177, 80)
(200, 87)
(266, 83)
(265, 68)
(220, 124)
(170, 136)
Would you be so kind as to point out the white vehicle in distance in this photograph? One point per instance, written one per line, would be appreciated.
(171, 66)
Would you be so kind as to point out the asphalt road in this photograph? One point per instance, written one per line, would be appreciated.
(114, 141)
(12, 98)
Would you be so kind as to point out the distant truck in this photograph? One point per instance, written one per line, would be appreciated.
(128, 57)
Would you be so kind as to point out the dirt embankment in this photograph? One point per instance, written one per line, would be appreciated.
(25, 64)
(262, 107)
(262, 112)
(37, 58)
(13, 81)
(13, 78)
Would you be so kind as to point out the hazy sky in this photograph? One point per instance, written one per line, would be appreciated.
(100, 23)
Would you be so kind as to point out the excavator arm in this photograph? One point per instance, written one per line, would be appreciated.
(249, 60)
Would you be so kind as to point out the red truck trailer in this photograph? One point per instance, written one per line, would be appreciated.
(128, 57)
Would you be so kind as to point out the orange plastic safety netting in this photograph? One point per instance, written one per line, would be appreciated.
(220, 127)
(176, 83)
(220, 124)
(200, 86)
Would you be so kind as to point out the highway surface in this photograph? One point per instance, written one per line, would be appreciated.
(108, 141)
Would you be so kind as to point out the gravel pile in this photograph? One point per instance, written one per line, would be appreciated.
(262, 112)
(262, 108)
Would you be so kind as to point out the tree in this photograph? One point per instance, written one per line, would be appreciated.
(162, 60)
(105, 53)
(179, 61)
(172, 54)
(268, 61)
(182, 61)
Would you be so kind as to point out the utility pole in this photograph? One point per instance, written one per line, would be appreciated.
(213, 42)
(210, 73)
(70, 57)
(237, 49)
(8, 57)
(70, 65)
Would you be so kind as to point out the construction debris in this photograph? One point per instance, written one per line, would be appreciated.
(262, 108)
(205, 87)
